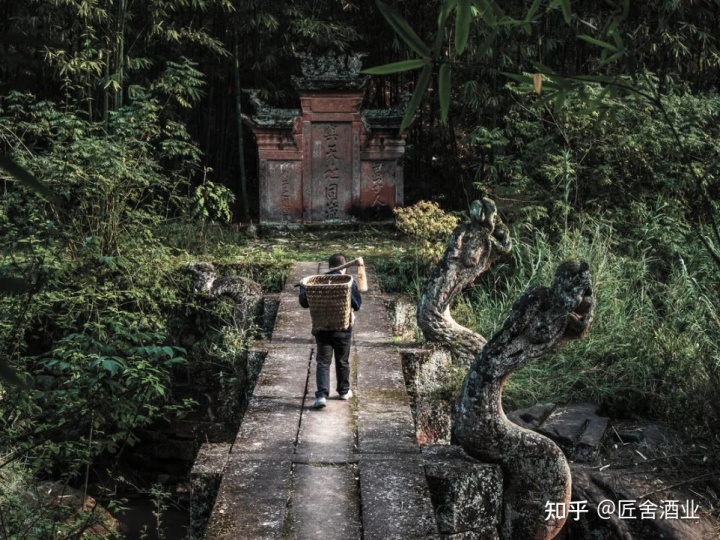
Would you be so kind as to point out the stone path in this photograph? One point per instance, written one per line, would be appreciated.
(352, 470)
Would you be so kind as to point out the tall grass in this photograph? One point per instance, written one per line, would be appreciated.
(652, 349)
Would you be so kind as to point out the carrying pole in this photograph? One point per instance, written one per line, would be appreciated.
(361, 277)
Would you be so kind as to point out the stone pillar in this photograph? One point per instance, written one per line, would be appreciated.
(381, 185)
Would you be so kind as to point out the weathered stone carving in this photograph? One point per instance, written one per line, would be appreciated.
(472, 248)
(244, 292)
(535, 470)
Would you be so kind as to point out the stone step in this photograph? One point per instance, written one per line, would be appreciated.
(326, 502)
(395, 500)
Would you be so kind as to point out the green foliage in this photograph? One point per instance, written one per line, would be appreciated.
(36, 511)
(109, 185)
(212, 202)
(561, 164)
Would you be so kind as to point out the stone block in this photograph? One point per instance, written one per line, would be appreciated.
(252, 501)
(327, 432)
(270, 427)
(396, 502)
(379, 369)
(284, 373)
(386, 433)
(433, 420)
(402, 315)
(205, 478)
(531, 417)
(577, 429)
(326, 502)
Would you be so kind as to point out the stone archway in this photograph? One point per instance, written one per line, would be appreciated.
(329, 160)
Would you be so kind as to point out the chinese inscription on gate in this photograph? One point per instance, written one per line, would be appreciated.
(285, 201)
(331, 175)
(377, 184)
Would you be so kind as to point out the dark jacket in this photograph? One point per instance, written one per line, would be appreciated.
(355, 302)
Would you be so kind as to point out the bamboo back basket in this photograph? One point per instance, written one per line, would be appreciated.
(329, 298)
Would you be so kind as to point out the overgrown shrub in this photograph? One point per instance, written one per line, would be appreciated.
(547, 166)
(429, 226)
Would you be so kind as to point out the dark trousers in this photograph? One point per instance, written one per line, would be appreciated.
(327, 344)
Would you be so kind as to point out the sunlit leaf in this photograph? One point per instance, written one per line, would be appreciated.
(444, 91)
(462, 25)
(403, 29)
(487, 12)
(396, 67)
(422, 84)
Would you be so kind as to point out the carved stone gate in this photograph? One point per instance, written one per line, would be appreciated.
(328, 161)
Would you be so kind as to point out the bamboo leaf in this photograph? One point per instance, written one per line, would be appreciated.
(613, 58)
(462, 25)
(597, 42)
(444, 91)
(487, 42)
(24, 177)
(403, 29)
(530, 16)
(565, 7)
(446, 9)
(523, 79)
(422, 84)
(487, 12)
(396, 67)
(442, 19)
(542, 68)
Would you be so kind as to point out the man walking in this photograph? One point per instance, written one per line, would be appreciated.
(333, 341)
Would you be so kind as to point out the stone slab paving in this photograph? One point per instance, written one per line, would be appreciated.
(395, 500)
(252, 501)
(270, 427)
(325, 502)
(285, 372)
(352, 470)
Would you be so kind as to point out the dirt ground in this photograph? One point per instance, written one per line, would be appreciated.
(657, 482)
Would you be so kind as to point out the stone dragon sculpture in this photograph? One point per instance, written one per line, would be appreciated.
(535, 470)
(472, 248)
